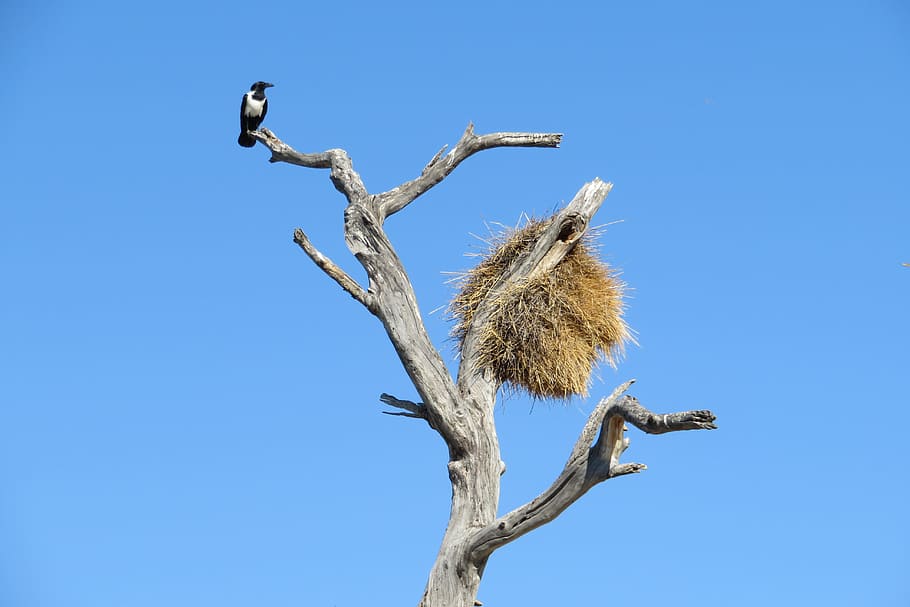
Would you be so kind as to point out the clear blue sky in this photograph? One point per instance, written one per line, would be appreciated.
(189, 409)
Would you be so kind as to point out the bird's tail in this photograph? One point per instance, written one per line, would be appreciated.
(246, 140)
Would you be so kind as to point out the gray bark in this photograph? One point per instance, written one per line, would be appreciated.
(461, 409)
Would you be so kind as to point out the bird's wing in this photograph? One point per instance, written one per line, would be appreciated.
(265, 108)
(243, 125)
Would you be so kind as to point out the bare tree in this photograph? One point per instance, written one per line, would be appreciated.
(461, 409)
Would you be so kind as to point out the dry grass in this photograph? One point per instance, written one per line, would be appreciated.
(545, 334)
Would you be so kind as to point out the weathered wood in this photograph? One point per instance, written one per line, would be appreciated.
(441, 166)
(411, 409)
(461, 409)
(337, 274)
(587, 465)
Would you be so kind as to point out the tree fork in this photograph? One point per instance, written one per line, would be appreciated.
(461, 409)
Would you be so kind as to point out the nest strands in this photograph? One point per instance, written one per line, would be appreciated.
(546, 333)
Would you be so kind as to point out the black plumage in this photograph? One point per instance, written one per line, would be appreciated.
(252, 112)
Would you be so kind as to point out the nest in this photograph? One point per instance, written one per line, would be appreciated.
(545, 334)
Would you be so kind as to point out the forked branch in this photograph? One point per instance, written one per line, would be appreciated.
(440, 166)
(462, 412)
(587, 466)
(410, 408)
(390, 295)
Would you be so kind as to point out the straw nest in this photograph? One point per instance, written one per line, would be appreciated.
(545, 334)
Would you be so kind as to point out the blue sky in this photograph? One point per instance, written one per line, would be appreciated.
(189, 409)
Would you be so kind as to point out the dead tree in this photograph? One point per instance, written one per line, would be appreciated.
(461, 409)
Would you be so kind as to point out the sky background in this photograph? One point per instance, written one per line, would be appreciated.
(189, 409)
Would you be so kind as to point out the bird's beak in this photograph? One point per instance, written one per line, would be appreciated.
(267, 85)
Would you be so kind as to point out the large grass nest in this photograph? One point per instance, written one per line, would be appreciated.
(545, 334)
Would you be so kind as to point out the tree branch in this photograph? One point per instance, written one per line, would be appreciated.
(337, 274)
(587, 466)
(282, 152)
(411, 409)
(441, 166)
(345, 179)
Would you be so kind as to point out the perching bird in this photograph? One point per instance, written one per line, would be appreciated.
(252, 112)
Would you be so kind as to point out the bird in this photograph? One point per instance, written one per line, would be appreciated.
(252, 112)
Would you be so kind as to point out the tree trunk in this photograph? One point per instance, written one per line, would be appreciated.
(475, 474)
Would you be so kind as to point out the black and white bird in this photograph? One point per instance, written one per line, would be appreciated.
(252, 112)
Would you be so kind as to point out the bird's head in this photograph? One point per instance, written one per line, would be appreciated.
(259, 85)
